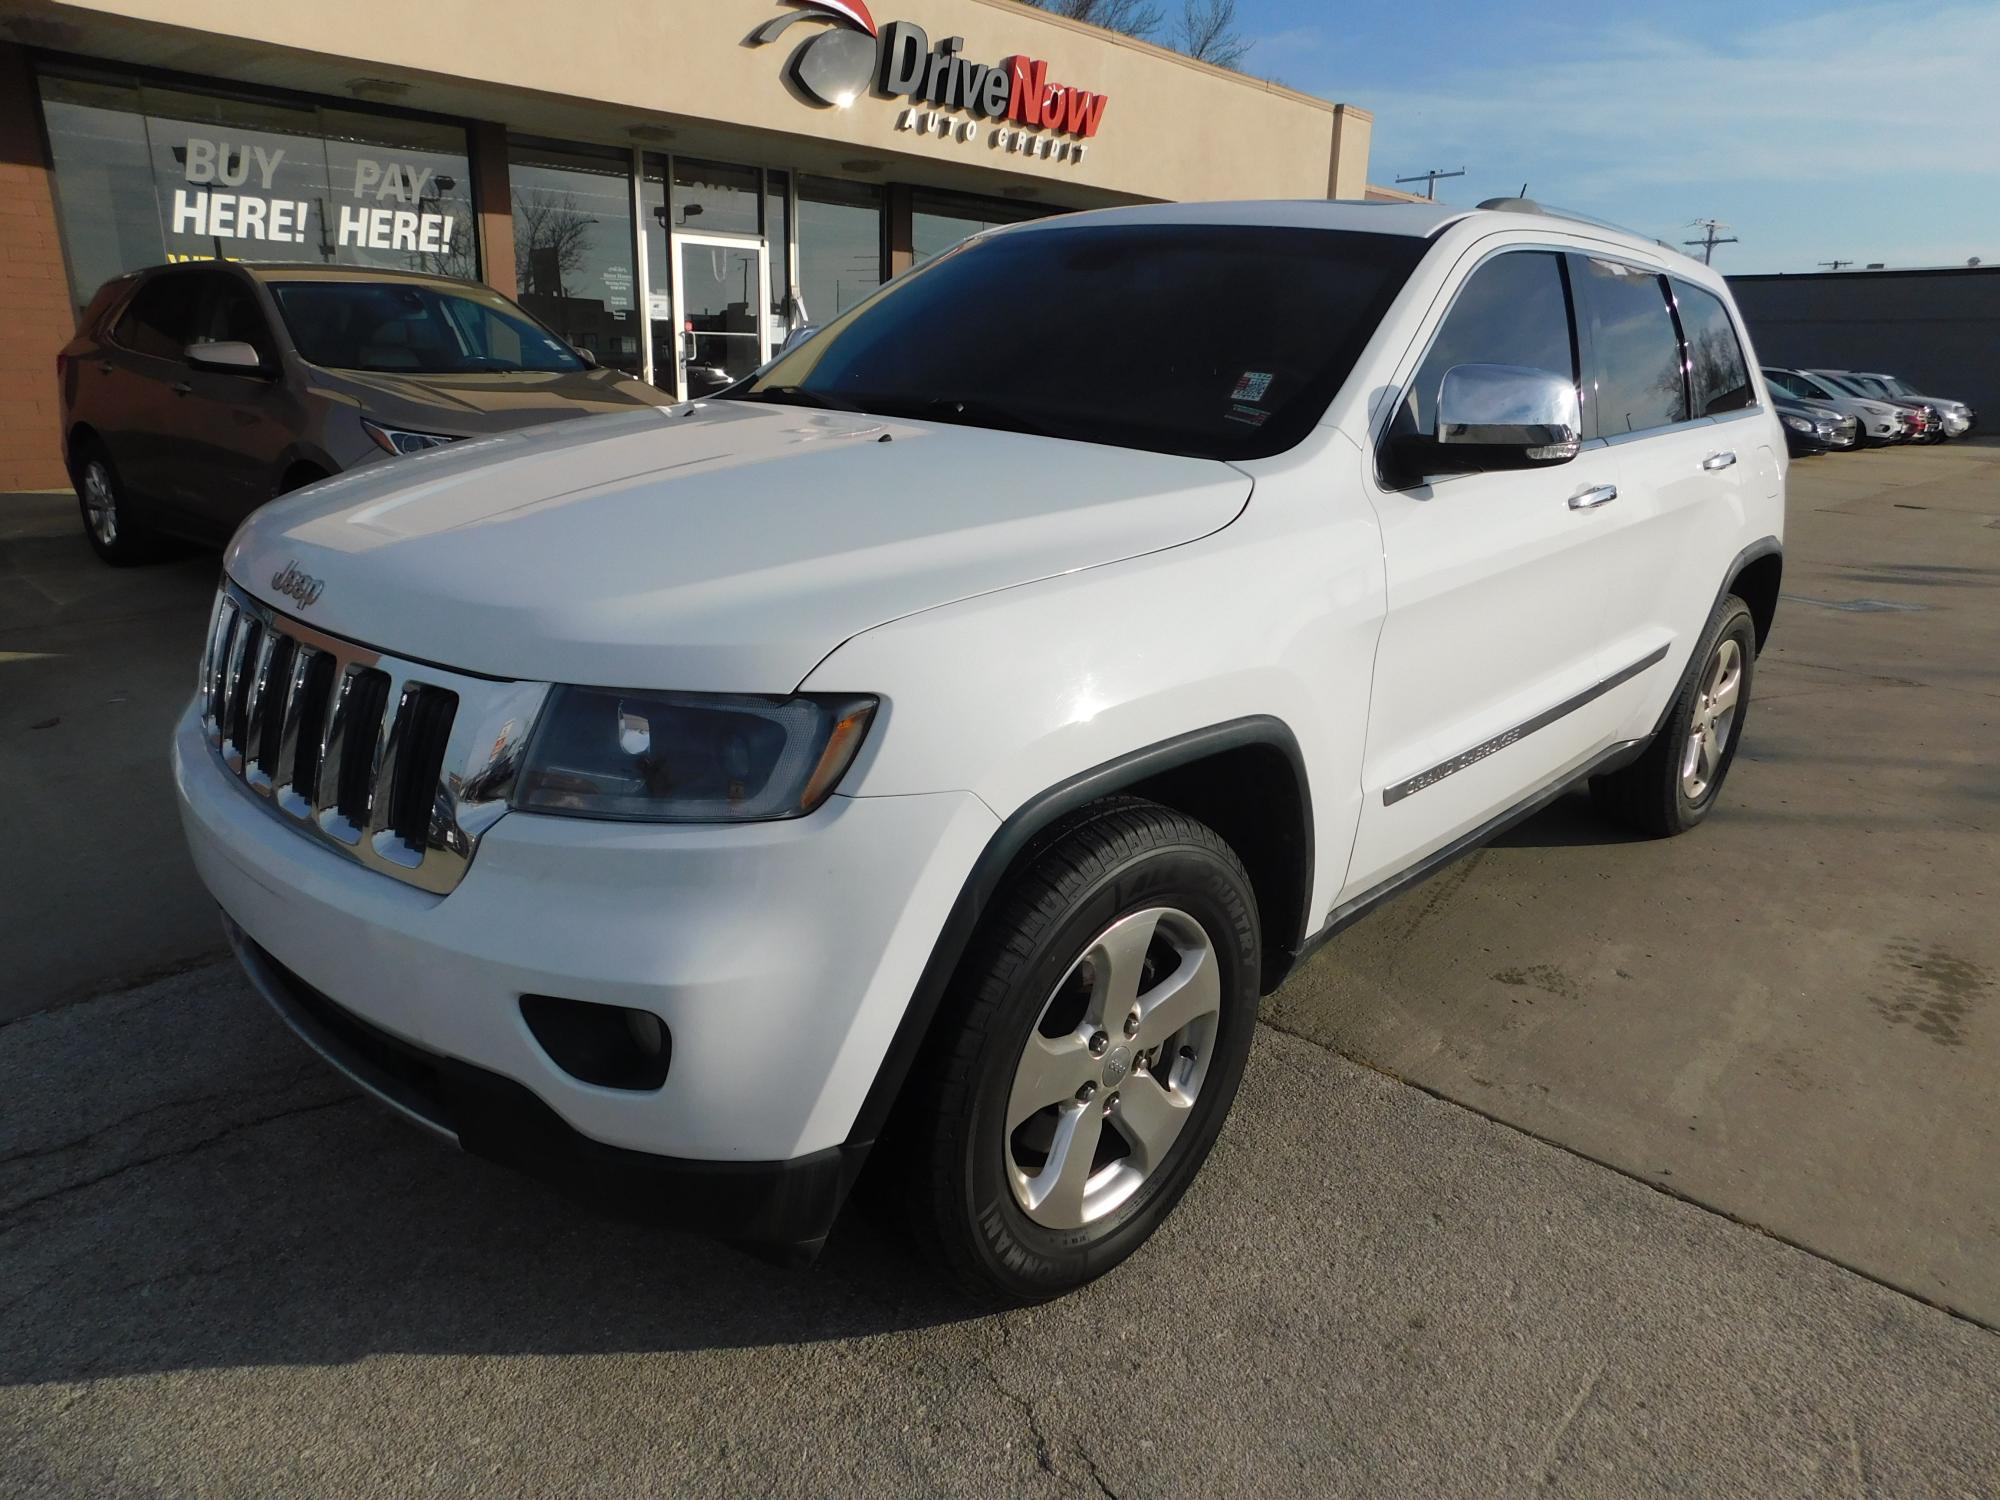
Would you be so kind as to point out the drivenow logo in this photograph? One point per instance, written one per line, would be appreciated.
(950, 94)
(294, 584)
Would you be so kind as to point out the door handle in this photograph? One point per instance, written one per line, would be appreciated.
(105, 367)
(1720, 460)
(181, 387)
(1596, 495)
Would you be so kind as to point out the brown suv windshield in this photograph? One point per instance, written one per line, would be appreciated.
(415, 329)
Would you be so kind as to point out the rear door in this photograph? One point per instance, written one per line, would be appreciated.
(136, 404)
(1681, 471)
(1488, 668)
(236, 425)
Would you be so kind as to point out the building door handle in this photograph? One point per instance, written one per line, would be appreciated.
(1596, 495)
(1720, 460)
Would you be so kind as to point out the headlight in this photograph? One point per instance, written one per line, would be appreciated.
(1798, 424)
(396, 440)
(688, 757)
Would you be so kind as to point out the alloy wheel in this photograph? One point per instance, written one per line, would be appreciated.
(1109, 1075)
(1714, 717)
(100, 503)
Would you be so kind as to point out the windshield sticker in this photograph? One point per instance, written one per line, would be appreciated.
(1251, 385)
(1250, 416)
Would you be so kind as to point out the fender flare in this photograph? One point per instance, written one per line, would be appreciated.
(1015, 836)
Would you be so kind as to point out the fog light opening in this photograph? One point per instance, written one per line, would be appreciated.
(611, 1046)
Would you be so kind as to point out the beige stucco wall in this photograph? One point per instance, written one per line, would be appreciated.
(1172, 129)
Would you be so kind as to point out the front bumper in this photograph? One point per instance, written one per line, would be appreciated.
(780, 956)
(783, 1209)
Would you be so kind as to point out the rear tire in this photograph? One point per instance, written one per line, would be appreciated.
(1117, 976)
(1672, 786)
(114, 533)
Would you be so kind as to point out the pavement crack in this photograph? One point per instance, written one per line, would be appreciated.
(12, 1213)
(296, 1079)
(1585, 1390)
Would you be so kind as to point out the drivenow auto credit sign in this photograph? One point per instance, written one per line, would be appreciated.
(1013, 104)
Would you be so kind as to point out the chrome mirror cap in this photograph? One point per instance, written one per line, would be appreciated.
(1533, 414)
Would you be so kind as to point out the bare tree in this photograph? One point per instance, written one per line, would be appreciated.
(550, 240)
(1207, 32)
(1140, 18)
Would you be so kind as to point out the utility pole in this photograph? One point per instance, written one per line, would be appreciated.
(1709, 238)
(1835, 265)
(1430, 181)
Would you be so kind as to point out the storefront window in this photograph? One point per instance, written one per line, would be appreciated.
(146, 174)
(840, 245)
(939, 221)
(573, 262)
(711, 198)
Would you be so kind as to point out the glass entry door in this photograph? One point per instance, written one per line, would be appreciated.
(722, 309)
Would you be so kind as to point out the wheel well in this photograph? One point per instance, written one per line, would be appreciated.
(1756, 584)
(300, 472)
(81, 436)
(1251, 796)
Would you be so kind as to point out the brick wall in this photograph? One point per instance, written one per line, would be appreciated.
(35, 315)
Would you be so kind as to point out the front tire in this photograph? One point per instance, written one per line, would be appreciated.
(1673, 785)
(1104, 1015)
(114, 533)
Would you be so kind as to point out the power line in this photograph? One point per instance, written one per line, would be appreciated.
(1709, 238)
(1430, 180)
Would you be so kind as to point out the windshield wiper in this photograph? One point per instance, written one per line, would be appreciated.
(796, 395)
(971, 412)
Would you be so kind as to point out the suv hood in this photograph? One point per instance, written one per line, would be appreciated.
(472, 404)
(723, 547)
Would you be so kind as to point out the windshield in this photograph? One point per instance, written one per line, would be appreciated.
(1215, 341)
(1890, 385)
(415, 328)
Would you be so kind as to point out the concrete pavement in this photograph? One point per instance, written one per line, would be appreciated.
(221, 1273)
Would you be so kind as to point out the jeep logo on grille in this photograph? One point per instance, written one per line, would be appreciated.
(293, 584)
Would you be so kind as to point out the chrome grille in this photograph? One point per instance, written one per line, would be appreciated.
(398, 764)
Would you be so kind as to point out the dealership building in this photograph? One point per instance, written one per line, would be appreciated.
(671, 185)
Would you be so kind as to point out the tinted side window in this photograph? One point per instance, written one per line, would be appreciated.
(1513, 310)
(230, 315)
(1716, 367)
(1636, 351)
(1783, 383)
(160, 316)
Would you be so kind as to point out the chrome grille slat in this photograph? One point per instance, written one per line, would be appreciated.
(320, 730)
(255, 700)
(241, 645)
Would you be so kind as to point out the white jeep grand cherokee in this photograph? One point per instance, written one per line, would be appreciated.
(947, 738)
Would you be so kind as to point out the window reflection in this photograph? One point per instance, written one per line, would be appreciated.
(939, 221)
(573, 247)
(840, 246)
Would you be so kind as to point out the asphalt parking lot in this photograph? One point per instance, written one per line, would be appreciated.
(1591, 1167)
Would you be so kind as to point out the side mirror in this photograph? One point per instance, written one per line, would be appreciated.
(798, 336)
(227, 356)
(589, 359)
(1492, 417)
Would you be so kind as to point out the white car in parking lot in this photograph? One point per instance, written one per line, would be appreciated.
(1958, 417)
(937, 749)
(1880, 421)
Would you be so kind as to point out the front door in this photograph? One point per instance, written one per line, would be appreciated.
(722, 309)
(1489, 676)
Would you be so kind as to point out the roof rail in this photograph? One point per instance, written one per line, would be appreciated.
(1530, 206)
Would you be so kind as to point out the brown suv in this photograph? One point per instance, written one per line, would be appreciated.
(196, 392)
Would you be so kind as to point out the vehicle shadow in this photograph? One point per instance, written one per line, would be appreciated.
(1569, 822)
(187, 1188)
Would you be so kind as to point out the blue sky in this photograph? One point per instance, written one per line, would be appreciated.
(1816, 130)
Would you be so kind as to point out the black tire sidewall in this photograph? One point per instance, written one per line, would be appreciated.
(1027, 1259)
(1733, 622)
